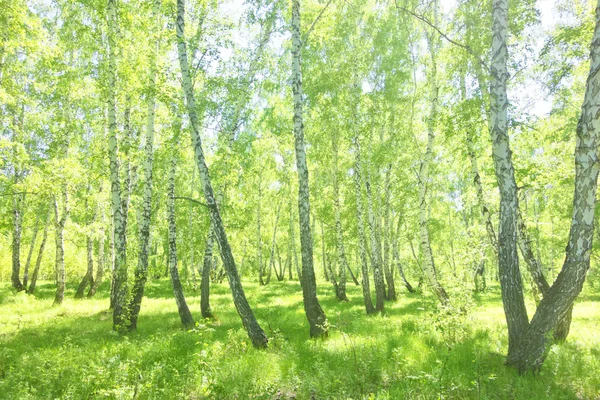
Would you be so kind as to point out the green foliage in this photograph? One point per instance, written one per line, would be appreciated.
(417, 351)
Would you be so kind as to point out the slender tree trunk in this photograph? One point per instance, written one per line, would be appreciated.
(100, 266)
(389, 272)
(396, 257)
(362, 239)
(314, 313)
(261, 269)
(205, 282)
(510, 277)
(16, 241)
(141, 272)
(254, 330)
(38, 261)
(378, 278)
(89, 275)
(60, 222)
(341, 251)
(30, 253)
(293, 241)
(184, 312)
(273, 243)
(428, 265)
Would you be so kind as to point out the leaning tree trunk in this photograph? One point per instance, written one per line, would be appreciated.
(362, 239)
(508, 259)
(184, 312)
(59, 228)
(254, 330)
(16, 241)
(141, 272)
(314, 312)
(428, 265)
(559, 299)
(38, 261)
(30, 253)
(205, 282)
(375, 250)
(341, 252)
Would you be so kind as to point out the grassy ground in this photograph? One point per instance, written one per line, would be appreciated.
(412, 353)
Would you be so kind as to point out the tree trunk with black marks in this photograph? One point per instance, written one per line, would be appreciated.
(59, 227)
(341, 251)
(30, 253)
(314, 313)
(18, 200)
(141, 272)
(558, 301)
(508, 259)
(375, 250)
(38, 261)
(362, 239)
(255, 332)
(388, 271)
(184, 312)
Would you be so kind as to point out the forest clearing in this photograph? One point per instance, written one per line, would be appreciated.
(307, 199)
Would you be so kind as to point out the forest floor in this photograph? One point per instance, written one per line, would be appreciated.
(414, 352)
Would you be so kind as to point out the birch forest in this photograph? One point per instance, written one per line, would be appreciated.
(299, 199)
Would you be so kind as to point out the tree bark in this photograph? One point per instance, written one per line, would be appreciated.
(141, 272)
(59, 227)
(184, 312)
(362, 239)
(559, 300)
(255, 332)
(38, 261)
(30, 253)
(375, 250)
(388, 271)
(16, 241)
(341, 251)
(508, 259)
(314, 313)
(428, 265)
(205, 282)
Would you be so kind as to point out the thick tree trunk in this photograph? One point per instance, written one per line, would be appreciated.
(141, 272)
(184, 312)
(508, 259)
(30, 253)
(558, 301)
(362, 239)
(120, 292)
(59, 227)
(16, 241)
(341, 251)
(38, 261)
(205, 282)
(254, 330)
(375, 250)
(314, 313)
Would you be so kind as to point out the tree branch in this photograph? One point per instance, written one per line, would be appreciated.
(424, 19)
(305, 37)
(192, 200)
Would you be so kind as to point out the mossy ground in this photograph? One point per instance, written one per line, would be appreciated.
(414, 352)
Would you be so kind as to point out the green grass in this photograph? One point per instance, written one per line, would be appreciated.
(70, 352)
